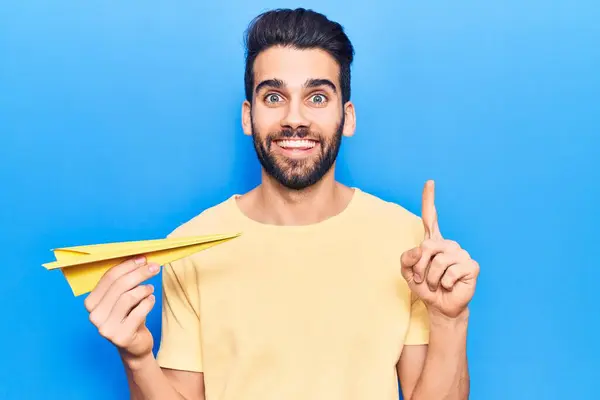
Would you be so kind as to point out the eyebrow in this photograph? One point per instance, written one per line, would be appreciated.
(310, 83)
(269, 83)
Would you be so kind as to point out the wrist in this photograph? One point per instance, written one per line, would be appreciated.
(440, 320)
(136, 362)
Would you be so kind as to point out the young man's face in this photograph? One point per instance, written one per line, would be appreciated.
(296, 118)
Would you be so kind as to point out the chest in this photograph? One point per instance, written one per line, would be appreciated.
(326, 294)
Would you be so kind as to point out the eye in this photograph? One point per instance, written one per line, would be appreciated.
(272, 98)
(318, 99)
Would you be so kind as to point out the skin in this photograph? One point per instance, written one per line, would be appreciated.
(438, 270)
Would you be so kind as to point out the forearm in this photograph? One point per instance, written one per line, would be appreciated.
(445, 375)
(147, 381)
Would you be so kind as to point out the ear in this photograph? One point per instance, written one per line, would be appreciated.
(247, 118)
(350, 121)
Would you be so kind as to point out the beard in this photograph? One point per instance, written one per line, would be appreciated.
(297, 174)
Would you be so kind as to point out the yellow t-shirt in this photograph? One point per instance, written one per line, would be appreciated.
(295, 312)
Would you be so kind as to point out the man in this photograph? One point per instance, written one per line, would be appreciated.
(329, 293)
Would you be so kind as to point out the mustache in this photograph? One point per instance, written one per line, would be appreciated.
(287, 133)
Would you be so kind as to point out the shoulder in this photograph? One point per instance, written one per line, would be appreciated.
(390, 218)
(211, 220)
(385, 210)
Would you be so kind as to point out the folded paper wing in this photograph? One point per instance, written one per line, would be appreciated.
(84, 266)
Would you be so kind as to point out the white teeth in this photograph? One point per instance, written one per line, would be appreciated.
(297, 144)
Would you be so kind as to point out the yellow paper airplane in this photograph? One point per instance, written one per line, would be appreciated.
(83, 266)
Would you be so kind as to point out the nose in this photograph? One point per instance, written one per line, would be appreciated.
(294, 117)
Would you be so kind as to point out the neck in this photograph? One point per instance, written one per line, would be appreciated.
(273, 203)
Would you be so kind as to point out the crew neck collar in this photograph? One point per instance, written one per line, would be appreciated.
(334, 220)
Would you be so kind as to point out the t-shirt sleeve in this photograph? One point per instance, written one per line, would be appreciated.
(418, 327)
(180, 343)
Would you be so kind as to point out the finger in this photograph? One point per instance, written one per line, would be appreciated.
(411, 257)
(118, 331)
(408, 260)
(92, 300)
(457, 273)
(122, 285)
(429, 212)
(438, 266)
(128, 301)
(138, 315)
(429, 249)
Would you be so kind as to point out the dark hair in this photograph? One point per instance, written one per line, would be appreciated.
(301, 29)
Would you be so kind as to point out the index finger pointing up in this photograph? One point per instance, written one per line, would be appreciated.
(429, 213)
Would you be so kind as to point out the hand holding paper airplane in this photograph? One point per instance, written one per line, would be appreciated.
(439, 271)
(118, 303)
(119, 306)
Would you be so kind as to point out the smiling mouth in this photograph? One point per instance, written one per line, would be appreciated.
(296, 148)
(296, 144)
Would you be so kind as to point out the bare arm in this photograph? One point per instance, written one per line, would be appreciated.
(443, 275)
(438, 371)
(148, 381)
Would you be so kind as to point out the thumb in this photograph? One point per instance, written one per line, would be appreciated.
(408, 260)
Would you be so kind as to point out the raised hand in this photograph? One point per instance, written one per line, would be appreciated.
(439, 271)
(119, 304)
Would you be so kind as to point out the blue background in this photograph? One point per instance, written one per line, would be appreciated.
(121, 120)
